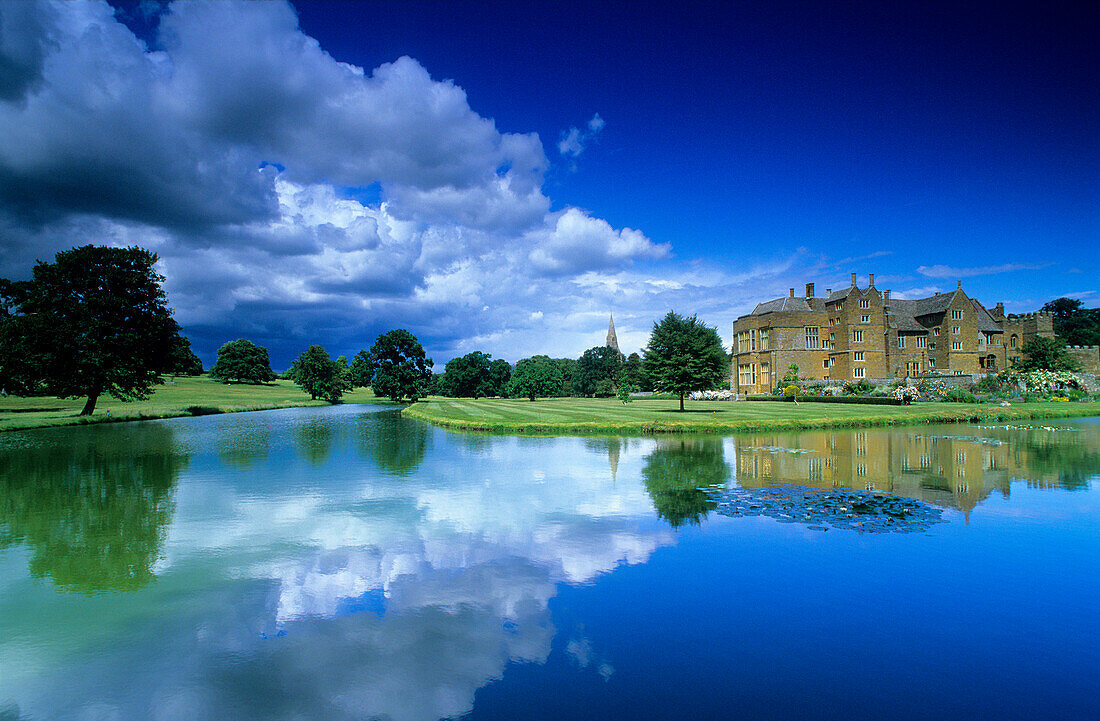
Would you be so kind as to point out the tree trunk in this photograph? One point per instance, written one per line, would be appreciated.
(89, 407)
(681, 401)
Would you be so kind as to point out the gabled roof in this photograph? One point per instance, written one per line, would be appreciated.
(986, 323)
(791, 305)
(902, 316)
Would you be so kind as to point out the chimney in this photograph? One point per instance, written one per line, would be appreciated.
(809, 290)
(886, 296)
(999, 309)
(853, 280)
(871, 284)
(792, 292)
(960, 284)
(828, 292)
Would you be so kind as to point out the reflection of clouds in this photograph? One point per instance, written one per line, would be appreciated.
(358, 594)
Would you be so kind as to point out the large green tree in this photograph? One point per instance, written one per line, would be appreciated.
(684, 355)
(243, 361)
(1046, 354)
(1073, 324)
(468, 376)
(395, 367)
(184, 362)
(534, 377)
(634, 373)
(94, 321)
(597, 371)
(319, 375)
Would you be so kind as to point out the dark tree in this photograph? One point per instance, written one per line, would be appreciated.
(594, 367)
(1073, 324)
(184, 362)
(242, 361)
(468, 376)
(684, 355)
(500, 372)
(568, 368)
(534, 377)
(318, 374)
(1046, 354)
(634, 373)
(395, 367)
(94, 321)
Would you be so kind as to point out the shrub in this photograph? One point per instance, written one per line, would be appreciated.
(790, 391)
(858, 388)
(959, 395)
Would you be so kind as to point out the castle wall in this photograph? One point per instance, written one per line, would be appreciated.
(1087, 355)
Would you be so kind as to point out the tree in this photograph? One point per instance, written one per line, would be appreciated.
(534, 377)
(635, 374)
(1046, 354)
(184, 362)
(467, 376)
(318, 374)
(568, 368)
(242, 361)
(1073, 324)
(500, 372)
(395, 367)
(625, 388)
(94, 321)
(595, 365)
(684, 355)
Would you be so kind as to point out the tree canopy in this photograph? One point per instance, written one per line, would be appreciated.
(1073, 324)
(534, 377)
(242, 361)
(1046, 354)
(684, 355)
(94, 321)
(319, 375)
(395, 367)
(597, 371)
(183, 361)
(469, 377)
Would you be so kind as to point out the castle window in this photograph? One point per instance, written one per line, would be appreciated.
(857, 372)
(825, 364)
(832, 362)
(958, 373)
(936, 330)
(857, 336)
(744, 374)
(764, 339)
(921, 341)
(765, 375)
(956, 345)
(865, 304)
(857, 356)
(1013, 341)
(956, 315)
(752, 334)
(955, 330)
(865, 319)
(931, 364)
(812, 338)
(832, 321)
(754, 374)
(901, 341)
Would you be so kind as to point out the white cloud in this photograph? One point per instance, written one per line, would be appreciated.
(574, 141)
(946, 271)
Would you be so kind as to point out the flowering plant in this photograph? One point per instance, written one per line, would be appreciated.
(906, 394)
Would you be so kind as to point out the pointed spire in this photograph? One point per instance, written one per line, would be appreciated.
(612, 340)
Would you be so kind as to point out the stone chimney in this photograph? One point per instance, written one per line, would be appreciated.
(886, 296)
(809, 290)
(871, 283)
(792, 292)
(853, 280)
(960, 284)
(828, 292)
(999, 309)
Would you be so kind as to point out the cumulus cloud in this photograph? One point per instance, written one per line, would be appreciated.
(574, 141)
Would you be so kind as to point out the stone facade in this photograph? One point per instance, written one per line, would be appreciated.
(864, 333)
(1087, 355)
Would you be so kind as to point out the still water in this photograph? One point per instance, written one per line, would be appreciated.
(343, 563)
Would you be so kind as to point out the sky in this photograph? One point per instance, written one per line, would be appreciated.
(502, 176)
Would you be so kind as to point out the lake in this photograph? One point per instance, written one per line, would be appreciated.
(344, 563)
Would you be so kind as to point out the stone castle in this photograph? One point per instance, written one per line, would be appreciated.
(859, 333)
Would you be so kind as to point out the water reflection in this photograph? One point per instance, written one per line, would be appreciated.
(677, 473)
(92, 506)
(315, 436)
(955, 469)
(397, 446)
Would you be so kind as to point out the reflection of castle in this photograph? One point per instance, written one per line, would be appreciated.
(956, 471)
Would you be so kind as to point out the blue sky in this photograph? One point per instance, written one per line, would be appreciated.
(500, 176)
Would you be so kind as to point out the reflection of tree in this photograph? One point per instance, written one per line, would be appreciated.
(314, 437)
(396, 444)
(676, 472)
(1063, 454)
(92, 505)
(244, 444)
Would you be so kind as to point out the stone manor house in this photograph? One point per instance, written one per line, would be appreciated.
(864, 333)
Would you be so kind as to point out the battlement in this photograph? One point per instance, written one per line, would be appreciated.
(1084, 347)
(1025, 316)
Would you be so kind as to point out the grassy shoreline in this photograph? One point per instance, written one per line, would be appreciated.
(178, 397)
(603, 416)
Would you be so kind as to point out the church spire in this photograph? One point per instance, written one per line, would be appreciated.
(612, 340)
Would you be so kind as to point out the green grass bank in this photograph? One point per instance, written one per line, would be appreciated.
(181, 396)
(600, 415)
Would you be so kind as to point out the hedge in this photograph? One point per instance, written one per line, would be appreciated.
(865, 400)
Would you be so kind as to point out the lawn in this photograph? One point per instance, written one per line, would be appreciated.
(177, 397)
(599, 415)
